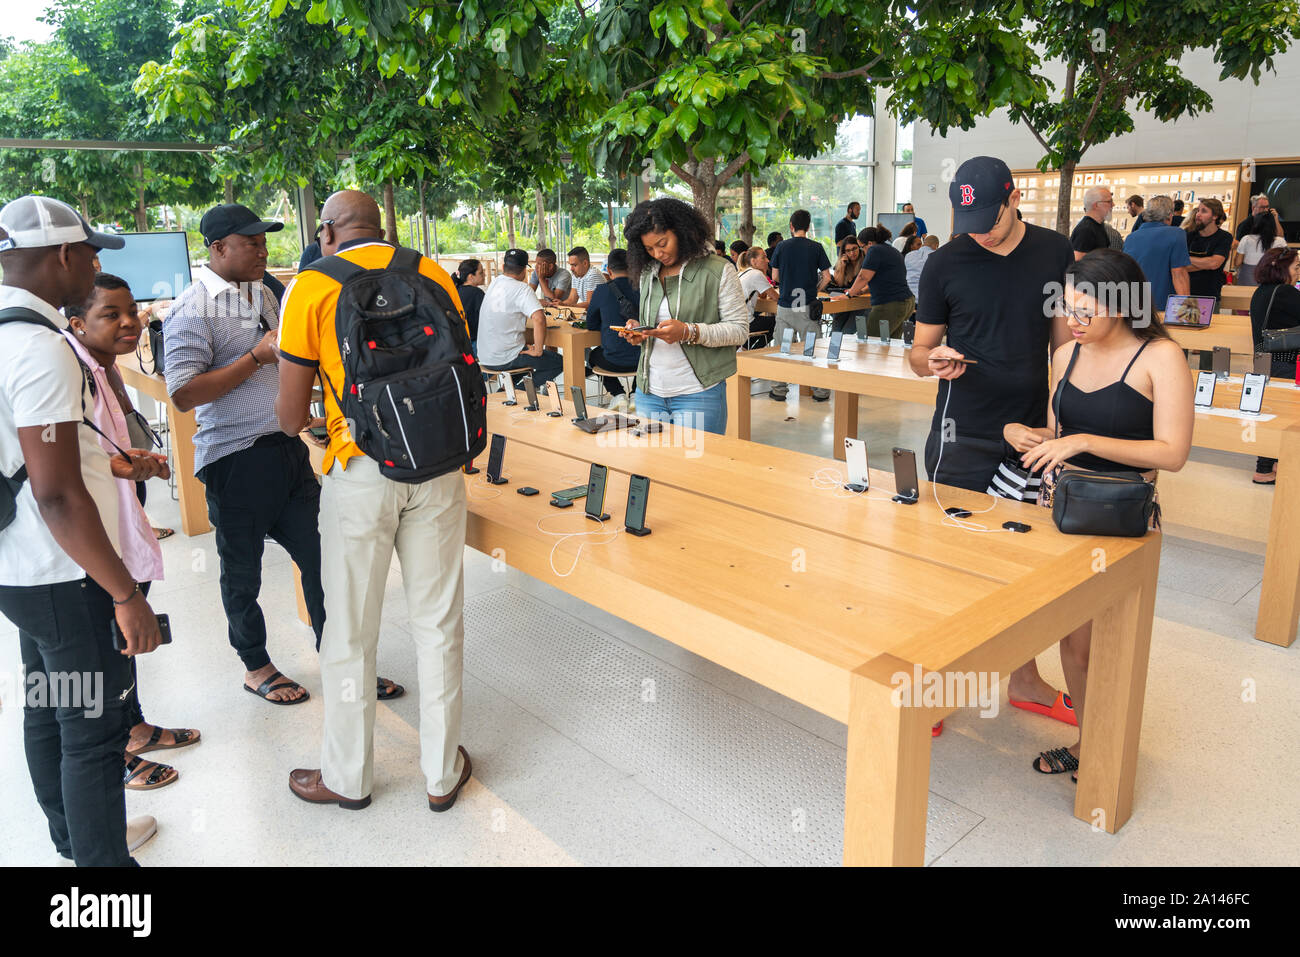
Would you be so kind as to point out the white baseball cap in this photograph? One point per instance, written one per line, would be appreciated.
(35, 221)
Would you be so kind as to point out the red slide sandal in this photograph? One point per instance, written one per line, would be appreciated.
(1062, 710)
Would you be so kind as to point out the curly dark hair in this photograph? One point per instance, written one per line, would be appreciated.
(661, 215)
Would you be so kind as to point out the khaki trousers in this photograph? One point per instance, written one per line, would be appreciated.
(363, 518)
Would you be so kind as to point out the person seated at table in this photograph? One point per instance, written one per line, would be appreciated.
(551, 283)
(585, 277)
(509, 307)
(693, 299)
(612, 306)
(107, 325)
(884, 274)
(1120, 403)
(755, 285)
(469, 278)
(738, 249)
(1265, 233)
(1275, 304)
(900, 241)
(914, 263)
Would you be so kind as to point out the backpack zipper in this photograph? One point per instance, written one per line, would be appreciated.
(393, 402)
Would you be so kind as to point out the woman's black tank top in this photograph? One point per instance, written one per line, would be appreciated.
(1117, 411)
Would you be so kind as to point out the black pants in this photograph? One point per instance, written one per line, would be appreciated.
(846, 320)
(596, 357)
(74, 720)
(766, 324)
(268, 489)
(1279, 370)
(967, 462)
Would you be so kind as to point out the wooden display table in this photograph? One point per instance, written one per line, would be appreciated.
(829, 306)
(1236, 297)
(182, 427)
(887, 588)
(1225, 329)
(882, 372)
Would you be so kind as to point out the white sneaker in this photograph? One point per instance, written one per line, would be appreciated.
(61, 861)
(631, 403)
(139, 830)
(619, 404)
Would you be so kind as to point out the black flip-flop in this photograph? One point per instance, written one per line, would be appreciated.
(157, 778)
(267, 686)
(385, 695)
(1059, 760)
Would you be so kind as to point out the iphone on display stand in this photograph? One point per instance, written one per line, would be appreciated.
(596, 482)
(638, 491)
(855, 457)
(507, 383)
(833, 350)
(787, 340)
(1205, 389)
(496, 459)
(909, 492)
(1222, 361)
(1252, 393)
(530, 390)
(558, 393)
(809, 343)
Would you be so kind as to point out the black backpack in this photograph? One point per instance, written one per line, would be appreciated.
(412, 393)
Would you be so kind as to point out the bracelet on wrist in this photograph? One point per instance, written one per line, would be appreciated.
(136, 590)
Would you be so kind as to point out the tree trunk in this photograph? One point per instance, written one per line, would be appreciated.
(609, 212)
(704, 194)
(747, 211)
(309, 211)
(510, 223)
(390, 213)
(1063, 194)
(85, 209)
(141, 212)
(541, 218)
(230, 190)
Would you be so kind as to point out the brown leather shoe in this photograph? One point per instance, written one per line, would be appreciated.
(445, 802)
(307, 784)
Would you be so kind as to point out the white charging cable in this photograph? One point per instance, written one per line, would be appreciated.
(951, 521)
(565, 536)
(831, 479)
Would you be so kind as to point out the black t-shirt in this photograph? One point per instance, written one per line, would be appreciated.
(845, 227)
(799, 261)
(603, 315)
(471, 297)
(998, 311)
(1089, 235)
(1243, 228)
(1209, 282)
(889, 284)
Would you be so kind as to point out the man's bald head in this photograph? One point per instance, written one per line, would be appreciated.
(348, 214)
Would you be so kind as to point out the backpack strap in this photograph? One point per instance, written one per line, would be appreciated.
(337, 268)
(23, 314)
(406, 259)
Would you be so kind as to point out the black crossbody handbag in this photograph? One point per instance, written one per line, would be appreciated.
(1122, 504)
(1278, 340)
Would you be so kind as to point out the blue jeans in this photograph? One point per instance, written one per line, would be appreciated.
(706, 411)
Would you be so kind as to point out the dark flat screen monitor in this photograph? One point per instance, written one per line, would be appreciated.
(895, 222)
(155, 265)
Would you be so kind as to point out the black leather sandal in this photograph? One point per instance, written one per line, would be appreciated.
(161, 775)
(1059, 760)
(269, 685)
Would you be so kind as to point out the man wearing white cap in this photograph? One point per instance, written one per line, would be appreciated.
(62, 583)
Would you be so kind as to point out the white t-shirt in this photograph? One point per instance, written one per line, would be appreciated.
(670, 371)
(587, 282)
(1250, 249)
(502, 320)
(752, 282)
(41, 384)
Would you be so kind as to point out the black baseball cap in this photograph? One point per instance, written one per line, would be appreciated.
(515, 259)
(977, 192)
(222, 221)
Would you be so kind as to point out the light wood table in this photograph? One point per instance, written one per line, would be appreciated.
(1236, 297)
(182, 427)
(829, 306)
(882, 372)
(1225, 329)
(573, 345)
(826, 598)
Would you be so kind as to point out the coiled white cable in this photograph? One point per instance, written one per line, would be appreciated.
(565, 536)
(951, 520)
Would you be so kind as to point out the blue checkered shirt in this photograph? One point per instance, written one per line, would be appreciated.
(211, 325)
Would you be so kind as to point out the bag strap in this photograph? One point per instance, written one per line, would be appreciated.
(1263, 327)
(1060, 388)
(624, 303)
(337, 268)
(23, 314)
(405, 259)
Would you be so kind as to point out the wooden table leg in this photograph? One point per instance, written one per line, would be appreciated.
(738, 387)
(193, 500)
(303, 614)
(1112, 719)
(888, 784)
(846, 420)
(1279, 598)
(575, 367)
(805, 390)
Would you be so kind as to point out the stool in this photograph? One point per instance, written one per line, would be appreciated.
(624, 377)
(488, 373)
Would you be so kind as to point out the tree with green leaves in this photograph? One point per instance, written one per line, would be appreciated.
(1117, 56)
